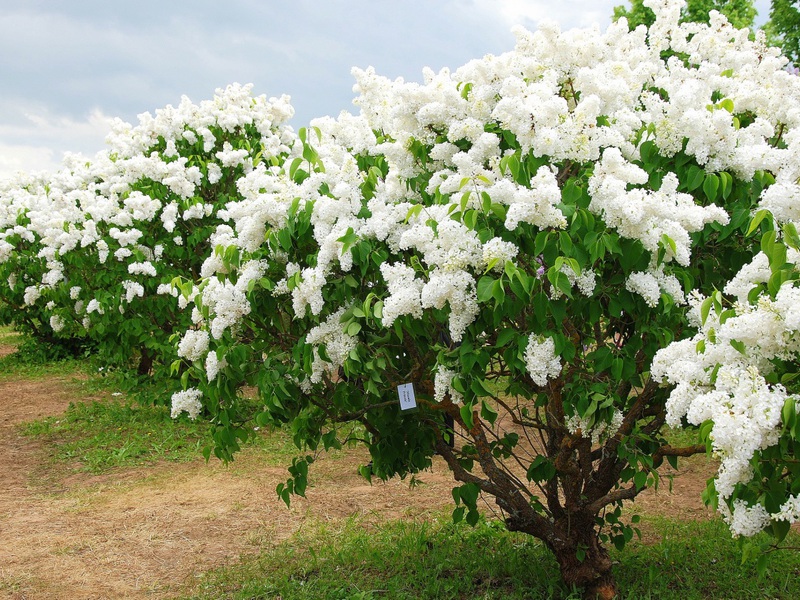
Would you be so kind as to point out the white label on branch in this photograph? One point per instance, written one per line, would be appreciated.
(407, 398)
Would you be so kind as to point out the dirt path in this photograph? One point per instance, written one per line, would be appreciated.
(149, 532)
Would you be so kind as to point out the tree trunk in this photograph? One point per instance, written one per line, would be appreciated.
(145, 363)
(583, 560)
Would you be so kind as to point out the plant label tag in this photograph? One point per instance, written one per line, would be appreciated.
(407, 398)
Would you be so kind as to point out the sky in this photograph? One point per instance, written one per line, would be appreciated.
(67, 68)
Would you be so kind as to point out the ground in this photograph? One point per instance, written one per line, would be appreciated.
(150, 532)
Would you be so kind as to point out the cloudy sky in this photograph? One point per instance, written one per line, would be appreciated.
(67, 67)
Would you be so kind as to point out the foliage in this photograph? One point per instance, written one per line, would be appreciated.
(740, 13)
(783, 27)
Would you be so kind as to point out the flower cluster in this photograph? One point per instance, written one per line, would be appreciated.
(187, 401)
(725, 375)
(541, 360)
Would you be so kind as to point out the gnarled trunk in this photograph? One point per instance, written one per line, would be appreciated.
(583, 560)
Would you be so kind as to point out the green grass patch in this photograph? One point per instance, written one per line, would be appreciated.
(409, 560)
(18, 366)
(107, 434)
(102, 435)
(698, 560)
(9, 336)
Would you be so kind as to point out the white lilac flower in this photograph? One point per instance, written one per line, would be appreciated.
(142, 268)
(443, 385)
(132, 290)
(187, 401)
(193, 345)
(541, 360)
(498, 252)
(57, 323)
(214, 366)
(338, 345)
(31, 295)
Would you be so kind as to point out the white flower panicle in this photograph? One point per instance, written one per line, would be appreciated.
(541, 360)
(338, 345)
(405, 292)
(443, 385)
(193, 345)
(57, 323)
(214, 365)
(498, 252)
(597, 431)
(188, 401)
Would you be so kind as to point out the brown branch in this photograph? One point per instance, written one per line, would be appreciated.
(611, 497)
(658, 457)
(356, 415)
(519, 420)
(459, 472)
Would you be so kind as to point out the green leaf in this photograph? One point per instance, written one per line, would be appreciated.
(616, 369)
(648, 151)
(473, 517)
(469, 494)
(458, 514)
(711, 187)
(541, 469)
(566, 243)
(504, 337)
(789, 413)
(488, 413)
(498, 292)
(668, 242)
(705, 309)
(727, 104)
(294, 166)
(466, 415)
(485, 288)
(696, 177)
(540, 243)
(726, 181)
(791, 236)
(559, 281)
(571, 192)
(759, 216)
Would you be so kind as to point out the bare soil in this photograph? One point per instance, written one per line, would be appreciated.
(150, 532)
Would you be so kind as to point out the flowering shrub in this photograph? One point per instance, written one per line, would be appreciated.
(91, 251)
(536, 242)
(517, 239)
